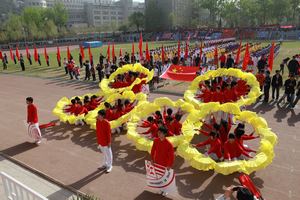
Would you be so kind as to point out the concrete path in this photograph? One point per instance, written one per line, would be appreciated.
(68, 153)
(43, 187)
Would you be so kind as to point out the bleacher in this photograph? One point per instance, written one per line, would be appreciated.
(228, 33)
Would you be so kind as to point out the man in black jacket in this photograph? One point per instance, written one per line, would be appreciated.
(261, 64)
(293, 66)
(289, 85)
(229, 61)
(267, 85)
(276, 84)
(22, 63)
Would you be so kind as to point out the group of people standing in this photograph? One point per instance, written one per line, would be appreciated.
(276, 82)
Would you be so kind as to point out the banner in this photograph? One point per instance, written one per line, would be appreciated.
(180, 73)
(159, 177)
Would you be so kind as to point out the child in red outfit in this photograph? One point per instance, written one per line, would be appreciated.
(152, 131)
(215, 150)
(233, 150)
(103, 131)
(162, 153)
(32, 121)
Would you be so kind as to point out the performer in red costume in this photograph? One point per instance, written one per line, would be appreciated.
(71, 108)
(241, 136)
(128, 106)
(152, 131)
(108, 111)
(233, 150)
(103, 131)
(175, 125)
(215, 149)
(162, 152)
(32, 121)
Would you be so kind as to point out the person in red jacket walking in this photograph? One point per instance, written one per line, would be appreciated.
(103, 131)
(32, 121)
(162, 152)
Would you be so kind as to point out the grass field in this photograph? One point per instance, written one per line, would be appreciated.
(288, 49)
(53, 70)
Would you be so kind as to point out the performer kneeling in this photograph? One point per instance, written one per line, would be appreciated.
(233, 150)
(215, 149)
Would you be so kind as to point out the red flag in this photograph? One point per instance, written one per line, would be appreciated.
(1, 56)
(17, 53)
(147, 52)
(141, 46)
(27, 52)
(45, 54)
(246, 58)
(200, 54)
(35, 54)
(90, 53)
(271, 57)
(237, 59)
(162, 54)
(180, 73)
(11, 54)
(120, 54)
(216, 57)
(247, 182)
(186, 51)
(82, 52)
(58, 54)
(132, 48)
(108, 53)
(113, 52)
(68, 53)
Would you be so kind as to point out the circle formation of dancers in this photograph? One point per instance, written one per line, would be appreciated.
(209, 116)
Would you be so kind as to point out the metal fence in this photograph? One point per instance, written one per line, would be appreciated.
(14, 190)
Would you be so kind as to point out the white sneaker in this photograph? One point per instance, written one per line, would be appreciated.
(164, 194)
(39, 141)
(108, 170)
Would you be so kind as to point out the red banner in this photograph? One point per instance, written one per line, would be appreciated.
(35, 54)
(180, 73)
(246, 58)
(271, 57)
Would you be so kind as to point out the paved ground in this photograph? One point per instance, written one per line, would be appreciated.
(43, 187)
(69, 153)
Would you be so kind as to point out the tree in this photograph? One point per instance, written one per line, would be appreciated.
(295, 10)
(60, 15)
(14, 28)
(124, 28)
(157, 16)
(280, 11)
(51, 29)
(214, 7)
(137, 19)
(230, 13)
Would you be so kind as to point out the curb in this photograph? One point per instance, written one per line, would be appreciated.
(42, 175)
